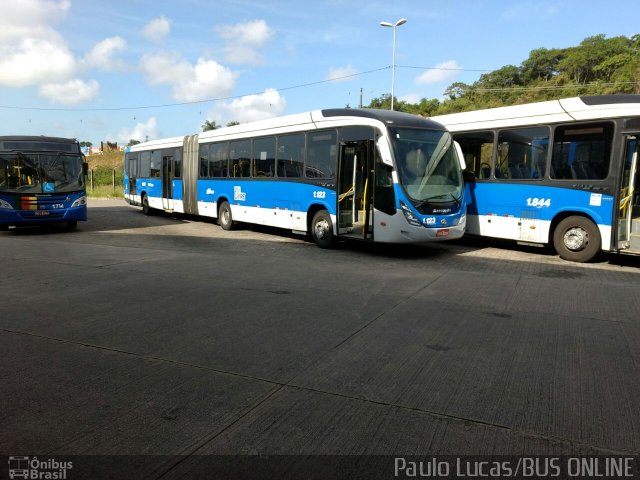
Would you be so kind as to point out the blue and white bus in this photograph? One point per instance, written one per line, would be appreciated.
(42, 181)
(563, 172)
(364, 174)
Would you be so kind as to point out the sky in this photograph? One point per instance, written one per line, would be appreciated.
(116, 70)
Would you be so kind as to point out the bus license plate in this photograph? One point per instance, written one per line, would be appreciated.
(42, 213)
(442, 233)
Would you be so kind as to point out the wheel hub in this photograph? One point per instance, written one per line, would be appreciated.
(576, 239)
(321, 228)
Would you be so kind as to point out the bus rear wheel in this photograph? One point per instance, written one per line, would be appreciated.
(577, 239)
(225, 219)
(322, 230)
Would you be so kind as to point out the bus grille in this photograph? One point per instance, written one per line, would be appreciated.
(42, 207)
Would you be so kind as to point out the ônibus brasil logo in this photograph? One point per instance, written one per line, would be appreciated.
(35, 469)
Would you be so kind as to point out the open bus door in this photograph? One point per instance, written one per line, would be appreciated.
(167, 182)
(629, 224)
(356, 183)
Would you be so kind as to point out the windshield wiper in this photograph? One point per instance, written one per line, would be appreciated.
(422, 203)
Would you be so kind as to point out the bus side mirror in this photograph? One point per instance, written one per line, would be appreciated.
(458, 148)
(85, 168)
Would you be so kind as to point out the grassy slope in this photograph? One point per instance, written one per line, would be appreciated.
(107, 159)
(105, 162)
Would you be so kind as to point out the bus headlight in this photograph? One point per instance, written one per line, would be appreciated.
(408, 214)
(79, 202)
(6, 205)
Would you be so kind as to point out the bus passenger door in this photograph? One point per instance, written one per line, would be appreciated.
(167, 182)
(629, 223)
(355, 189)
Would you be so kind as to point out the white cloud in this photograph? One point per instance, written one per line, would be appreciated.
(254, 107)
(32, 12)
(33, 53)
(29, 61)
(102, 55)
(140, 132)
(206, 79)
(71, 92)
(30, 49)
(441, 72)
(342, 74)
(243, 40)
(254, 33)
(156, 30)
(411, 97)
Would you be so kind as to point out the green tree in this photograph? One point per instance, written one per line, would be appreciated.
(542, 65)
(209, 125)
(133, 142)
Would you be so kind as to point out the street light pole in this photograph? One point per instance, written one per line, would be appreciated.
(402, 21)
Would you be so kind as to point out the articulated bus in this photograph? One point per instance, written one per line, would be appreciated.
(563, 172)
(364, 174)
(42, 181)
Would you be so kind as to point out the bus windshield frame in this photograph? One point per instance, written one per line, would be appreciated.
(41, 172)
(428, 166)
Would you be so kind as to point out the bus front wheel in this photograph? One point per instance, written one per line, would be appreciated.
(225, 219)
(322, 230)
(577, 239)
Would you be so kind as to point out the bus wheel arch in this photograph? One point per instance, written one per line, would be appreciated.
(320, 227)
(225, 218)
(575, 237)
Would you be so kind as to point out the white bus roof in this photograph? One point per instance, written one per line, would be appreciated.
(553, 111)
(319, 119)
(154, 144)
(297, 122)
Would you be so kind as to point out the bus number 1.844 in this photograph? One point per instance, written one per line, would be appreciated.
(538, 202)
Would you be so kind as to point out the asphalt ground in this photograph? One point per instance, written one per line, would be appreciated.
(168, 340)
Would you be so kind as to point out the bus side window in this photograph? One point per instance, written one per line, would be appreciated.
(582, 152)
(204, 160)
(522, 153)
(290, 161)
(478, 152)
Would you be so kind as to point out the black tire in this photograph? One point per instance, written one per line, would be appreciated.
(577, 239)
(4, 228)
(225, 219)
(72, 224)
(146, 209)
(322, 230)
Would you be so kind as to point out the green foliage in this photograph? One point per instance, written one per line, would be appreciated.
(209, 125)
(598, 66)
(104, 176)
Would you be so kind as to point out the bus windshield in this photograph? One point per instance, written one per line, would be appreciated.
(26, 172)
(427, 165)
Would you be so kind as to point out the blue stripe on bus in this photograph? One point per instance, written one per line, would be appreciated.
(536, 201)
(177, 189)
(267, 194)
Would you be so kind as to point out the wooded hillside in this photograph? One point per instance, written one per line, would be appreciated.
(597, 66)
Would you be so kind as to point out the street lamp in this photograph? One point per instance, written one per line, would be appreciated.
(402, 21)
